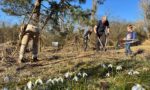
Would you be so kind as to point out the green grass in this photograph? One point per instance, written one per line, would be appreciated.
(118, 80)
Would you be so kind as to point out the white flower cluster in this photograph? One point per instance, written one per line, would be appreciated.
(118, 68)
(30, 84)
(39, 81)
(133, 72)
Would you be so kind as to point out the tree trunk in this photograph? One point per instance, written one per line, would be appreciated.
(36, 16)
(36, 13)
(94, 8)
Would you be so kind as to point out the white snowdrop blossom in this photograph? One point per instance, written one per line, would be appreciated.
(29, 85)
(108, 74)
(56, 80)
(137, 87)
(130, 72)
(39, 81)
(118, 68)
(84, 75)
(50, 81)
(6, 79)
(61, 79)
(79, 74)
(136, 72)
(68, 74)
(75, 78)
(110, 65)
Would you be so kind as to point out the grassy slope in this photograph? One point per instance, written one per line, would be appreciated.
(56, 64)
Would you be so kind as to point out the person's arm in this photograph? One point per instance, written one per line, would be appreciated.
(108, 28)
(95, 27)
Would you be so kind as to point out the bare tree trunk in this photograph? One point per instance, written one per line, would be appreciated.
(36, 13)
(36, 17)
(145, 4)
(94, 8)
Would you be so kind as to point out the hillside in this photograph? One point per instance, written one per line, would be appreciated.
(54, 64)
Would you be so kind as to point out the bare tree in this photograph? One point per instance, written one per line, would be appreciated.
(95, 4)
(145, 5)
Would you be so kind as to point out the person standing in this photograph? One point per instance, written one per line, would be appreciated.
(30, 32)
(86, 38)
(129, 39)
(102, 30)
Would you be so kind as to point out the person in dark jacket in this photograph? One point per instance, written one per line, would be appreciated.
(86, 38)
(102, 31)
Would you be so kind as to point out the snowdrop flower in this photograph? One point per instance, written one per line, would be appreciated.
(118, 68)
(67, 75)
(84, 75)
(79, 74)
(103, 65)
(75, 78)
(108, 74)
(6, 79)
(110, 65)
(38, 81)
(137, 87)
(136, 72)
(55, 80)
(50, 81)
(130, 72)
(29, 85)
(5, 88)
(61, 79)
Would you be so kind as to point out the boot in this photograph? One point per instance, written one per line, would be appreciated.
(19, 61)
(35, 59)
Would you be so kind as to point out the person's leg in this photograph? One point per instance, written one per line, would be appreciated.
(97, 43)
(23, 46)
(35, 47)
(127, 49)
(29, 47)
(85, 44)
(104, 41)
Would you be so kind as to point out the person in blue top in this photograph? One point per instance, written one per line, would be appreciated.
(129, 39)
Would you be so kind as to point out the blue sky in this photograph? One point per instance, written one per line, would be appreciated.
(128, 10)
